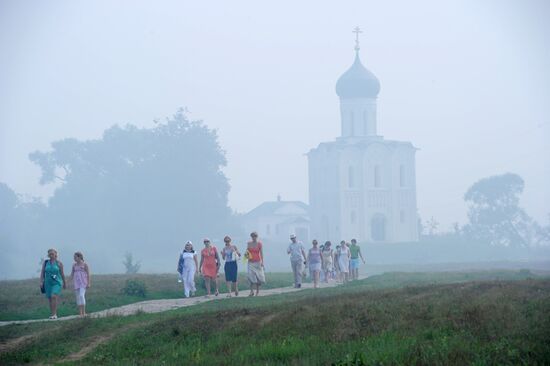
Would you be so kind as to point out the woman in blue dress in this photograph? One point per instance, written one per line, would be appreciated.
(230, 254)
(52, 279)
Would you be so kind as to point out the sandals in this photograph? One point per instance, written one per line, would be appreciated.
(251, 294)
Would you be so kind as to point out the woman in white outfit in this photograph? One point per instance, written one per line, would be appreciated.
(344, 256)
(187, 267)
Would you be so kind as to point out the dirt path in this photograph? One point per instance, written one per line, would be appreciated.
(156, 306)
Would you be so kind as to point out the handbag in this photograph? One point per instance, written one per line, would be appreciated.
(42, 289)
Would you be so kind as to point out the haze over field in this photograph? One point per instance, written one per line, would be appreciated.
(466, 82)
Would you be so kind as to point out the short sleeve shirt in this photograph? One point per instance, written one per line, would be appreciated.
(354, 249)
(296, 251)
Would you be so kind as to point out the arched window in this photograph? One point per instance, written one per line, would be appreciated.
(365, 129)
(268, 229)
(351, 177)
(402, 180)
(352, 123)
(377, 178)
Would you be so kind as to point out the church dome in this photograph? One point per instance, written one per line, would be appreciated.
(357, 82)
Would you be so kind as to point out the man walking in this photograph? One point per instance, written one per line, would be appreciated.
(297, 259)
(355, 252)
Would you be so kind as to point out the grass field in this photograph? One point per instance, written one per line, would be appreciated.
(483, 318)
(21, 299)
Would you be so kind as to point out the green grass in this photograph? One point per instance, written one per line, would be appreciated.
(20, 300)
(399, 318)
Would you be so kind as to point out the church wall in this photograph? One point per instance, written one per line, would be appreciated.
(358, 116)
(378, 198)
(324, 195)
(404, 194)
(351, 187)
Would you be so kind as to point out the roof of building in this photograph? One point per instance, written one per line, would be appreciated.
(357, 82)
(362, 143)
(270, 208)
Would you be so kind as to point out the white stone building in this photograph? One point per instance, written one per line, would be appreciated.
(276, 220)
(361, 185)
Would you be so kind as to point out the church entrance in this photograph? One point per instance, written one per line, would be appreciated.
(378, 228)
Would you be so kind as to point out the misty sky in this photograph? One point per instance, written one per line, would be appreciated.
(467, 82)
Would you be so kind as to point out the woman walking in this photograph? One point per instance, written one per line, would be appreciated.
(314, 262)
(230, 254)
(327, 256)
(343, 261)
(209, 266)
(80, 274)
(52, 279)
(187, 268)
(254, 254)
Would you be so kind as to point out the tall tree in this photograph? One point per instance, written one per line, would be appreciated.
(494, 212)
(138, 188)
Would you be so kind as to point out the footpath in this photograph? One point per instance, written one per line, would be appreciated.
(157, 306)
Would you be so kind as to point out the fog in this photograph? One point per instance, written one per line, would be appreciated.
(466, 82)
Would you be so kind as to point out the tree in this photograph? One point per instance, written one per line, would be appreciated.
(432, 224)
(137, 188)
(494, 213)
(129, 264)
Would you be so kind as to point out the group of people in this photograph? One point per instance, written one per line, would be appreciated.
(52, 279)
(210, 264)
(341, 263)
(324, 263)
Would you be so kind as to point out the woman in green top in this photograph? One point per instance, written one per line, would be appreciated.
(52, 279)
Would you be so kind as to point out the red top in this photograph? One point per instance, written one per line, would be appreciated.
(255, 255)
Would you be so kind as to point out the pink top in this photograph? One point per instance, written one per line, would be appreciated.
(80, 277)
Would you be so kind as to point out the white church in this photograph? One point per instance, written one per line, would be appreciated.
(361, 185)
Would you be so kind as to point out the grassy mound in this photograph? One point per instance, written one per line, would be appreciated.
(388, 319)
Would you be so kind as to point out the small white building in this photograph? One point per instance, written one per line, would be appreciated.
(274, 221)
(361, 185)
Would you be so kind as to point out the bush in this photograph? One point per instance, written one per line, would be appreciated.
(135, 288)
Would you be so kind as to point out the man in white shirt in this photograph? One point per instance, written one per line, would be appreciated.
(297, 258)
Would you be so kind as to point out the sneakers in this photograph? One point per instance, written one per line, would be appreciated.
(53, 317)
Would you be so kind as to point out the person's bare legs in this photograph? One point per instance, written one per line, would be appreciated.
(229, 288)
(257, 288)
(217, 284)
(316, 279)
(236, 288)
(53, 305)
(207, 284)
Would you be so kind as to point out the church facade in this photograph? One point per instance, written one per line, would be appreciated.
(361, 185)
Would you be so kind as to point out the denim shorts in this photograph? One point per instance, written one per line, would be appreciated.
(354, 263)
